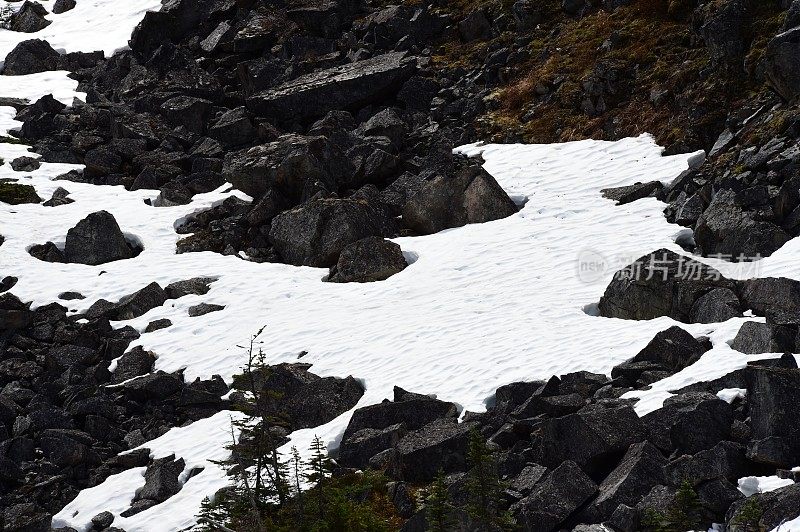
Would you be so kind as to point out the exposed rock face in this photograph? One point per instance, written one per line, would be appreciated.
(472, 196)
(344, 87)
(662, 283)
(367, 260)
(29, 18)
(773, 395)
(439, 445)
(778, 507)
(316, 233)
(783, 64)
(97, 239)
(560, 494)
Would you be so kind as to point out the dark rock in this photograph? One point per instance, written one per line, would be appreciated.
(359, 447)
(161, 479)
(554, 499)
(346, 87)
(472, 196)
(690, 422)
(233, 128)
(630, 193)
(662, 283)
(528, 478)
(592, 437)
(413, 413)
(316, 233)
(639, 471)
(673, 348)
(104, 519)
(725, 229)
(717, 495)
(782, 64)
(402, 498)
(70, 296)
(48, 252)
(754, 338)
(718, 305)
(134, 363)
(187, 111)
(157, 325)
(367, 260)
(139, 303)
(725, 460)
(65, 447)
(775, 297)
(474, 26)
(204, 308)
(58, 198)
(29, 18)
(438, 446)
(97, 239)
(25, 164)
(62, 6)
(154, 386)
(198, 286)
(322, 400)
(774, 396)
(15, 194)
(777, 507)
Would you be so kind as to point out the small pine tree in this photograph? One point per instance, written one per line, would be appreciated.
(436, 505)
(319, 469)
(686, 511)
(748, 518)
(484, 488)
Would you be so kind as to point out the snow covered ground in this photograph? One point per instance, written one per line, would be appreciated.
(481, 306)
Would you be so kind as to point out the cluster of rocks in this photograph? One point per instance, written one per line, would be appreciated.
(571, 454)
(97, 239)
(65, 417)
(329, 115)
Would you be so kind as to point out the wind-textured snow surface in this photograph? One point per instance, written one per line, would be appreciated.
(481, 306)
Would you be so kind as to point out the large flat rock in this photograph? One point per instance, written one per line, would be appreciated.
(343, 87)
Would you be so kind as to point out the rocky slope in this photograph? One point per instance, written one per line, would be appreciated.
(338, 121)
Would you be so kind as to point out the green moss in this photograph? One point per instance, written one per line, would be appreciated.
(15, 194)
(5, 139)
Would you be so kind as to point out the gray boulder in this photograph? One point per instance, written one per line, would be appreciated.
(97, 239)
(367, 260)
(590, 437)
(662, 283)
(777, 298)
(718, 305)
(346, 87)
(439, 445)
(726, 229)
(690, 422)
(317, 232)
(62, 6)
(359, 447)
(138, 303)
(725, 460)
(630, 193)
(639, 471)
(233, 128)
(754, 338)
(29, 18)
(554, 499)
(471, 196)
(134, 363)
(673, 348)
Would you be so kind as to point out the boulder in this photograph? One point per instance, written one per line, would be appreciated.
(777, 298)
(725, 32)
(138, 303)
(412, 412)
(187, 111)
(367, 260)
(593, 437)
(359, 447)
(233, 128)
(65, 447)
(29, 18)
(755, 338)
(321, 401)
(471, 196)
(725, 229)
(297, 166)
(639, 471)
(773, 394)
(30, 57)
(554, 499)
(690, 422)
(154, 386)
(198, 286)
(438, 446)
(630, 193)
(25, 164)
(58, 198)
(97, 239)
(134, 363)
(718, 305)
(347, 87)
(782, 64)
(16, 194)
(202, 309)
(161, 479)
(776, 508)
(317, 232)
(662, 283)
(726, 460)
(673, 348)
(62, 6)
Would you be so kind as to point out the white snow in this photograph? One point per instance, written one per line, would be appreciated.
(752, 485)
(729, 395)
(482, 305)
